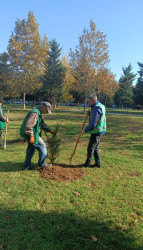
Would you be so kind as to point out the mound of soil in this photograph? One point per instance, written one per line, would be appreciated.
(62, 173)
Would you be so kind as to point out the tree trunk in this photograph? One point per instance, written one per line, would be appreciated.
(78, 105)
(105, 101)
(55, 103)
(23, 100)
(85, 101)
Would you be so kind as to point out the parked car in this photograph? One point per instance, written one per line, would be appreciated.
(7, 101)
(20, 102)
(40, 102)
(72, 104)
(82, 104)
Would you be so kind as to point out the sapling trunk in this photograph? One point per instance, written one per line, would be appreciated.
(53, 143)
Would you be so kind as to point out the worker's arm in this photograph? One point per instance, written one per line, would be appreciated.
(46, 128)
(2, 118)
(95, 116)
(31, 122)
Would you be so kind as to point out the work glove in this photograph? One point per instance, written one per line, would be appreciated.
(53, 132)
(32, 139)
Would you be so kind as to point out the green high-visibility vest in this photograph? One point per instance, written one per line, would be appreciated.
(2, 124)
(101, 124)
(35, 128)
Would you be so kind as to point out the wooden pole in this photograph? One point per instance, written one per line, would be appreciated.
(6, 130)
(79, 136)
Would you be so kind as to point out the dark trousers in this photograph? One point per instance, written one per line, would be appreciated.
(93, 150)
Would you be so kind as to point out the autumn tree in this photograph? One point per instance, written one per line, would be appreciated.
(54, 73)
(124, 94)
(26, 55)
(106, 85)
(68, 82)
(88, 58)
(138, 89)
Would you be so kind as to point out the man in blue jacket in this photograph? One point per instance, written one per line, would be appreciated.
(96, 127)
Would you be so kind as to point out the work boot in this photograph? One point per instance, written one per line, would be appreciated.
(96, 166)
(27, 168)
(85, 165)
(46, 165)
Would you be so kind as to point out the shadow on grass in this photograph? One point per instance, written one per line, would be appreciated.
(10, 166)
(13, 167)
(57, 231)
(138, 147)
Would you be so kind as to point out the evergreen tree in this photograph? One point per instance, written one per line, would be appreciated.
(54, 74)
(4, 74)
(54, 142)
(124, 94)
(26, 55)
(138, 90)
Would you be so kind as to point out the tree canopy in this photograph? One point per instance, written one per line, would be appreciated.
(125, 92)
(34, 67)
(26, 54)
(88, 58)
(138, 90)
(4, 71)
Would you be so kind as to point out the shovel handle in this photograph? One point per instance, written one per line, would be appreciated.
(79, 137)
(6, 131)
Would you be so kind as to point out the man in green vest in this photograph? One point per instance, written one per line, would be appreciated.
(31, 131)
(96, 128)
(3, 119)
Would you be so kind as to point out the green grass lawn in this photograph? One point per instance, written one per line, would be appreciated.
(41, 214)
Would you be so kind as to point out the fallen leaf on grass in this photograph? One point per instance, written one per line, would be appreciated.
(76, 194)
(93, 237)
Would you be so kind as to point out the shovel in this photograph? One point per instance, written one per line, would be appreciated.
(6, 131)
(79, 136)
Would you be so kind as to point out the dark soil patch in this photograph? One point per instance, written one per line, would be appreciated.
(61, 173)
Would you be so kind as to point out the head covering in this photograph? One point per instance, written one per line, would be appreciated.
(1, 99)
(48, 106)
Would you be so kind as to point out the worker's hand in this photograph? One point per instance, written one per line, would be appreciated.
(88, 112)
(53, 132)
(83, 132)
(32, 139)
(7, 120)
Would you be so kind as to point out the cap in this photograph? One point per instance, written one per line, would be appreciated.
(48, 106)
(1, 99)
